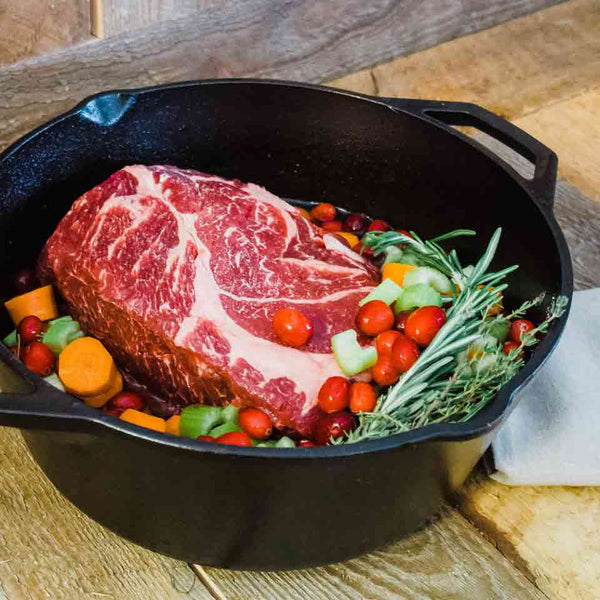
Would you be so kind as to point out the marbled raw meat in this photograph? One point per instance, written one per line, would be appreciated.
(179, 273)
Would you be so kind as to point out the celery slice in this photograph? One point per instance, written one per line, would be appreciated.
(499, 329)
(228, 427)
(387, 291)
(229, 413)
(55, 381)
(408, 258)
(393, 254)
(64, 319)
(285, 442)
(432, 277)
(11, 338)
(59, 335)
(417, 295)
(198, 420)
(350, 356)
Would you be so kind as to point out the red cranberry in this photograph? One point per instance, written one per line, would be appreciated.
(25, 280)
(120, 402)
(400, 322)
(333, 426)
(332, 226)
(30, 328)
(356, 223)
(364, 251)
(39, 358)
(379, 225)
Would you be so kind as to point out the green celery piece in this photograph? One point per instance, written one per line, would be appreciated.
(387, 290)
(417, 295)
(75, 335)
(228, 427)
(285, 442)
(350, 356)
(408, 258)
(64, 319)
(269, 444)
(499, 329)
(432, 277)
(11, 338)
(198, 420)
(393, 254)
(55, 381)
(58, 335)
(230, 413)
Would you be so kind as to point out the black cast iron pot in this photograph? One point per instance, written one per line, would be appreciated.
(394, 159)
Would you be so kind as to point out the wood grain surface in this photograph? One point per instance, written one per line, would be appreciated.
(308, 41)
(442, 561)
(513, 69)
(572, 129)
(550, 532)
(48, 549)
(32, 27)
(116, 16)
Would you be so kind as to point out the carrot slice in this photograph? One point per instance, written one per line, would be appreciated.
(305, 213)
(39, 302)
(86, 368)
(143, 420)
(172, 425)
(101, 399)
(396, 272)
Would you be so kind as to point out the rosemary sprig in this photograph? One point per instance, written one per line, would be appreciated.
(429, 252)
(439, 387)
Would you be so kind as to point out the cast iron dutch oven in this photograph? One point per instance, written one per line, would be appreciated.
(394, 159)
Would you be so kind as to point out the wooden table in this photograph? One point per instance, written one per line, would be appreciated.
(543, 73)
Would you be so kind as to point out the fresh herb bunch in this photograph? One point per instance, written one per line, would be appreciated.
(443, 385)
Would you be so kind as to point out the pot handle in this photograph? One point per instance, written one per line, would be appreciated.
(543, 183)
(28, 402)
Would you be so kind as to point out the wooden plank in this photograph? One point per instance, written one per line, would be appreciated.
(253, 38)
(446, 559)
(551, 532)
(117, 16)
(32, 27)
(513, 69)
(48, 549)
(572, 129)
(312, 19)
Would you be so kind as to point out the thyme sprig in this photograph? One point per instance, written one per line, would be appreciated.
(439, 387)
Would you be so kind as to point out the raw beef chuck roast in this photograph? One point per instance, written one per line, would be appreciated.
(179, 274)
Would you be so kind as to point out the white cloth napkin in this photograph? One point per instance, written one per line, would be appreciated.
(553, 435)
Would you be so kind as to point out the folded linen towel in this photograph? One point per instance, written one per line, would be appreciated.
(553, 435)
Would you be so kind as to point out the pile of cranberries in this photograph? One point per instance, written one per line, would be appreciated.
(398, 340)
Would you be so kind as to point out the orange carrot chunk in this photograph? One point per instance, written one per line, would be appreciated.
(143, 420)
(39, 302)
(173, 425)
(100, 400)
(86, 368)
(396, 272)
